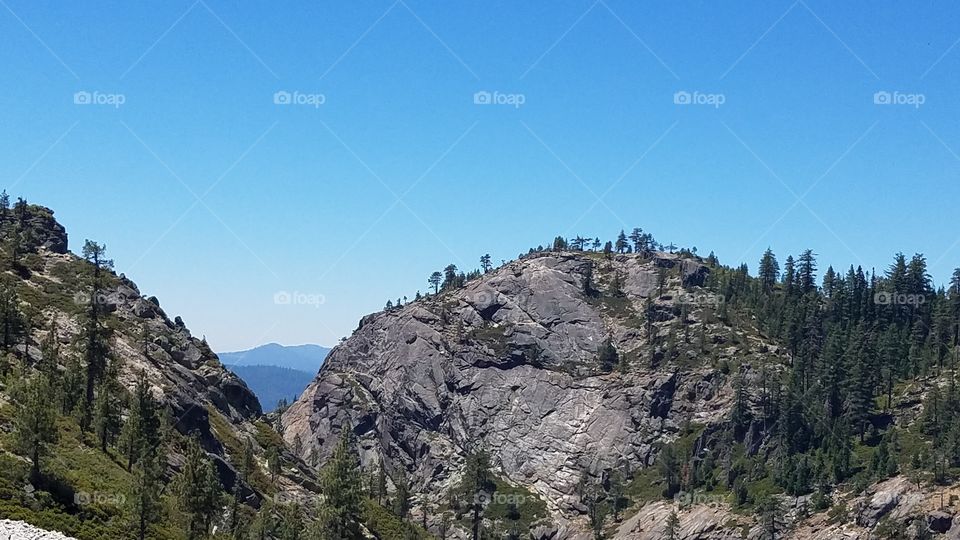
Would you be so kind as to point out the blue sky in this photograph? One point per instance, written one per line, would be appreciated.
(214, 198)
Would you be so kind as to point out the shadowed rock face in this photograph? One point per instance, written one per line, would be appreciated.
(511, 363)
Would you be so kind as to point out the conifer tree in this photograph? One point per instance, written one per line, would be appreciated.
(140, 435)
(340, 510)
(485, 263)
(622, 245)
(143, 499)
(673, 526)
(35, 421)
(769, 270)
(197, 489)
(95, 333)
(401, 498)
(435, 279)
(477, 482)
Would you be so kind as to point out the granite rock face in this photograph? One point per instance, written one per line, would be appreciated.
(511, 363)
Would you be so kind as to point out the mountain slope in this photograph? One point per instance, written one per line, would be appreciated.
(47, 298)
(307, 358)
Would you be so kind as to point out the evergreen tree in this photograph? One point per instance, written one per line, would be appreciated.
(769, 270)
(401, 498)
(95, 334)
(12, 321)
(106, 416)
(273, 462)
(807, 271)
(485, 263)
(673, 526)
(197, 489)
(340, 509)
(477, 484)
(140, 435)
(435, 279)
(608, 358)
(622, 245)
(35, 421)
(143, 499)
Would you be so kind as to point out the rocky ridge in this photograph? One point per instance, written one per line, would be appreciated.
(511, 363)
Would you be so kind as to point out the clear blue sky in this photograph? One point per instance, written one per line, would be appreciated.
(303, 199)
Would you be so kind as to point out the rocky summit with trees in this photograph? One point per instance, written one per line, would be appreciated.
(590, 388)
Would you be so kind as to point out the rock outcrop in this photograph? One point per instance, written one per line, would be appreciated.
(512, 363)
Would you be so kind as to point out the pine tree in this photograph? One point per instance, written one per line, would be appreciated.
(140, 435)
(807, 271)
(435, 279)
(340, 510)
(673, 526)
(608, 357)
(636, 236)
(769, 270)
(622, 244)
(477, 484)
(740, 415)
(198, 491)
(35, 421)
(95, 334)
(485, 263)
(273, 463)
(401, 498)
(143, 500)
(290, 523)
(106, 416)
(12, 321)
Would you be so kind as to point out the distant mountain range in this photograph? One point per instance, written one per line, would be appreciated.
(273, 383)
(275, 371)
(307, 358)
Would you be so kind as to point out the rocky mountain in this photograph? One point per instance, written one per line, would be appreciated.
(580, 373)
(307, 357)
(514, 363)
(202, 399)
